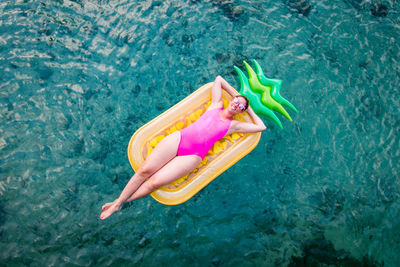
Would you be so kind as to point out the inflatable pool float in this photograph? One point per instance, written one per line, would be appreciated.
(221, 156)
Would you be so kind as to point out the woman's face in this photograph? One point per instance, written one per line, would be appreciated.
(237, 104)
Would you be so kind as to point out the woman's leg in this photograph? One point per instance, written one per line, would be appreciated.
(173, 170)
(161, 155)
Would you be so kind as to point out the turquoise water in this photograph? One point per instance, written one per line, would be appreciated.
(78, 78)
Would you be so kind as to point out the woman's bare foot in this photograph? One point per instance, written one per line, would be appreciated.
(106, 206)
(110, 210)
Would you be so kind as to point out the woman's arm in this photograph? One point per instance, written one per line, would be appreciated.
(224, 85)
(248, 127)
(216, 91)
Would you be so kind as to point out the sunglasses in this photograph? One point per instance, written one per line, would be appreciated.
(241, 106)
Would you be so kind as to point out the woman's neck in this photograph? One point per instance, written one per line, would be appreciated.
(226, 114)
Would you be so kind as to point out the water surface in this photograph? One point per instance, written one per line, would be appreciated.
(78, 78)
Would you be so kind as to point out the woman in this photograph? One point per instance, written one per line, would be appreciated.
(181, 152)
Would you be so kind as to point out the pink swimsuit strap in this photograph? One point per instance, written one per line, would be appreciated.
(199, 137)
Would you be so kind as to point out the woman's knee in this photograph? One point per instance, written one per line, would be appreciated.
(154, 184)
(146, 170)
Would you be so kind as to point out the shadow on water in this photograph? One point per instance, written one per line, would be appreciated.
(232, 10)
(302, 7)
(266, 221)
(369, 105)
(377, 8)
(330, 203)
(3, 216)
(320, 252)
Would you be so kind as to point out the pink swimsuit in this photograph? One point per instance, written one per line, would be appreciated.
(199, 137)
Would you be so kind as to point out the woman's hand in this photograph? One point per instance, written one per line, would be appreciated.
(257, 120)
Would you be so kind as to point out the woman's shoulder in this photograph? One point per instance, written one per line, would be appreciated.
(215, 105)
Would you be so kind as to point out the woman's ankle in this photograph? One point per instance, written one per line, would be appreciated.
(118, 202)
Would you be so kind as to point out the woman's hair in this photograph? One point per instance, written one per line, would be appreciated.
(245, 98)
